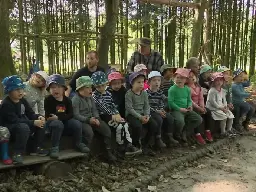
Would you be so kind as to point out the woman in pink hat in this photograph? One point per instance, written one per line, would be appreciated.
(180, 103)
(217, 104)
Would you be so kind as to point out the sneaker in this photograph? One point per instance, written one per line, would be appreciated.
(54, 152)
(17, 159)
(7, 161)
(148, 151)
(83, 148)
(40, 152)
(200, 139)
(208, 136)
(132, 150)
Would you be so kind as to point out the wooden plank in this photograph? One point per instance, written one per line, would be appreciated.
(33, 160)
(173, 3)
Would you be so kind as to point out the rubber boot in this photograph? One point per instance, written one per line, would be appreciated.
(151, 141)
(110, 157)
(172, 140)
(159, 142)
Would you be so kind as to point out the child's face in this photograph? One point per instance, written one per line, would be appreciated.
(195, 67)
(85, 91)
(57, 91)
(138, 83)
(155, 82)
(144, 72)
(91, 60)
(179, 80)
(168, 74)
(116, 84)
(37, 80)
(16, 94)
(239, 78)
(227, 75)
(191, 78)
(101, 88)
(218, 82)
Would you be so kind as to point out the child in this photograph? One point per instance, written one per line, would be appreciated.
(110, 114)
(198, 106)
(193, 64)
(35, 91)
(59, 115)
(246, 110)
(142, 69)
(217, 104)
(138, 114)
(179, 101)
(157, 101)
(118, 91)
(204, 79)
(20, 119)
(167, 72)
(86, 112)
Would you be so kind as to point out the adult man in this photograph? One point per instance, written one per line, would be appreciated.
(92, 60)
(145, 55)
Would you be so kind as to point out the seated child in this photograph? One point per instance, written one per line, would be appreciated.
(217, 104)
(59, 115)
(138, 114)
(35, 91)
(142, 69)
(238, 98)
(117, 91)
(198, 106)
(204, 79)
(86, 112)
(179, 101)
(20, 119)
(167, 72)
(157, 103)
(110, 114)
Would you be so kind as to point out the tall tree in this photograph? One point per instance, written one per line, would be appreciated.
(107, 32)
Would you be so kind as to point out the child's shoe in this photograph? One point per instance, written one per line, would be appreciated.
(148, 151)
(17, 159)
(200, 139)
(172, 140)
(7, 161)
(83, 148)
(208, 136)
(110, 156)
(40, 152)
(54, 152)
(132, 150)
(159, 142)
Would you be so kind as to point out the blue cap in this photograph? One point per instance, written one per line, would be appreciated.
(11, 83)
(57, 79)
(238, 72)
(134, 75)
(99, 78)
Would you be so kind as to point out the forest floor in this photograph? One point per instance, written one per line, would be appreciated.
(232, 168)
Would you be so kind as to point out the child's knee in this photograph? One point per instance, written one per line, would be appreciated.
(105, 129)
(56, 124)
(23, 129)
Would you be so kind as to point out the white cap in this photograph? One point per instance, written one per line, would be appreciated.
(42, 74)
(154, 74)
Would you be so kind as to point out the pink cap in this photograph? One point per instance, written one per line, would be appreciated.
(216, 75)
(140, 67)
(114, 76)
(183, 72)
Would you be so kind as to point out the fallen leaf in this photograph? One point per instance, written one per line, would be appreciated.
(177, 176)
(161, 178)
(201, 166)
(104, 189)
(137, 190)
(152, 188)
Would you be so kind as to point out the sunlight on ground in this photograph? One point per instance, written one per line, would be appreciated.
(220, 186)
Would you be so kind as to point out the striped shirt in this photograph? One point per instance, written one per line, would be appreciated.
(105, 103)
(166, 84)
(153, 62)
(157, 100)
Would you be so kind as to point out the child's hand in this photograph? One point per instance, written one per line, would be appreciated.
(116, 118)
(162, 113)
(190, 108)
(224, 109)
(183, 110)
(202, 110)
(41, 118)
(94, 121)
(144, 119)
(53, 117)
(230, 106)
(97, 122)
(39, 123)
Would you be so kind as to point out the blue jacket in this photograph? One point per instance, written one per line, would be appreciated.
(238, 93)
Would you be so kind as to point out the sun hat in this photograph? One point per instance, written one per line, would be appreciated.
(205, 68)
(223, 69)
(139, 67)
(154, 74)
(115, 76)
(99, 78)
(216, 75)
(144, 41)
(183, 72)
(238, 72)
(42, 74)
(165, 67)
(57, 79)
(12, 83)
(135, 75)
(84, 81)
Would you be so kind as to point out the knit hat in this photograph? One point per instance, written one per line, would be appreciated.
(43, 74)
(154, 74)
(216, 75)
(205, 68)
(183, 72)
(238, 72)
(223, 69)
(99, 78)
(84, 81)
(57, 79)
(140, 67)
(135, 75)
(115, 76)
(166, 66)
(12, 83)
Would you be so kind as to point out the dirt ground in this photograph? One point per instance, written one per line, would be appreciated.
(231, 169)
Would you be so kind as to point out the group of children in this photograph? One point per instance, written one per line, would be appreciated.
(170, 104)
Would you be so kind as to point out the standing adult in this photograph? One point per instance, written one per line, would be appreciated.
(152, 59)
(91, 66)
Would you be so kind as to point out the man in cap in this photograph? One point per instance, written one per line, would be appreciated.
(145, 55)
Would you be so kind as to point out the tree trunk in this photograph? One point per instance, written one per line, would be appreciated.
(7, 67)
(107, 31)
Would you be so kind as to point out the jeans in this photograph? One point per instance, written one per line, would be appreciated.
(243, 109)
(168, 120)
